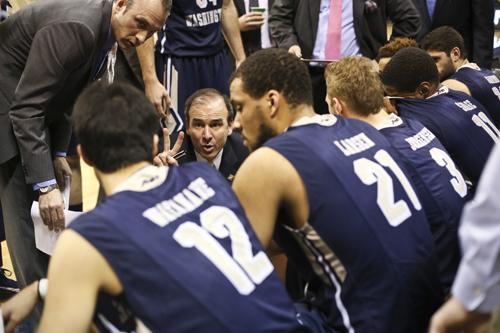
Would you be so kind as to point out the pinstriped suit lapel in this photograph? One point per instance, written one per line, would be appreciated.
(314, 15)
(103, 35)
(358, 9)
(440, 5)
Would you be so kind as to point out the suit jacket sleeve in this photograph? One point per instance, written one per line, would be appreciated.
(483, 30)
(281, 23)
(56, 50)
(477, 283)
(405, 18)
(60, 132)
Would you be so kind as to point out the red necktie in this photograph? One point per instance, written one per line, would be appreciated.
(332, 49)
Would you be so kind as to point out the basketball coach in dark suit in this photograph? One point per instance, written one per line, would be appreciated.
(473, 19)
(49, 51)
(209, 137)
(296, 24)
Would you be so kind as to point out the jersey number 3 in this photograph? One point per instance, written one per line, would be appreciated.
(243, 269)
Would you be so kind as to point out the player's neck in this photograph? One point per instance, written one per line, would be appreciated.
(460, 62)
(300, 112)
(110, 181)
(376, 120)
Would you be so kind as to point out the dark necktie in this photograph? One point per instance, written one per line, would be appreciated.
(253, 3)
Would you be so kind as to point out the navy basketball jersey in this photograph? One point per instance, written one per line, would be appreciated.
(438, 183)
(193, 29)
(187, 258)
(366, 239)
(484, 86)
(462, 125)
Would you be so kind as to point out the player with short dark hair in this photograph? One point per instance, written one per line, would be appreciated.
(260, 76)
(170, 245)
(446, 46)
(444, 39)
(333, 193)
(461, 123)
(97, 131)
(420, 68)
(354, 91)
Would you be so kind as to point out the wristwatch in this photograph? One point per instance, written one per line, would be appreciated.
(47, 189)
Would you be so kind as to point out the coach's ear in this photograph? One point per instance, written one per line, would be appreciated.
(83, 156)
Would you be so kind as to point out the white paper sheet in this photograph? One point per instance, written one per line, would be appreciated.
(45, 239)
(1, 322)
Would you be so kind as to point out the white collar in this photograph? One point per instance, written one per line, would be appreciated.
(143, 179)
(392, 120)
(216, 162)
(320, 119)
(440, 91)
(470, 65)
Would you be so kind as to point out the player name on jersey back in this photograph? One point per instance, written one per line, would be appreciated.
(466, 105)
(183, 202)
(421, 139)
(492, 79)
(355, 144)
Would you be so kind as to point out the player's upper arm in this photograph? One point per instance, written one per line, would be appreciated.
(266, 182)
(456, 85)
(77, 272)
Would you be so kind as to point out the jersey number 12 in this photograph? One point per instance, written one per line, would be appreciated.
(243, 269)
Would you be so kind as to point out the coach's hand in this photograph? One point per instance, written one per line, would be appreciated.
(62, 171)
(52, 209)
(166, 157)
(16, 309)
(295, 50)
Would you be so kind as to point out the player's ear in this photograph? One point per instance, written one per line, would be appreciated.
(273, 101)
(390, 105)
(424, 90)
(83, 156)
(230, 117)
(455, 54)
(338, 106)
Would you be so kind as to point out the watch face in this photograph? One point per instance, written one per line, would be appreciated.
(47, 189)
